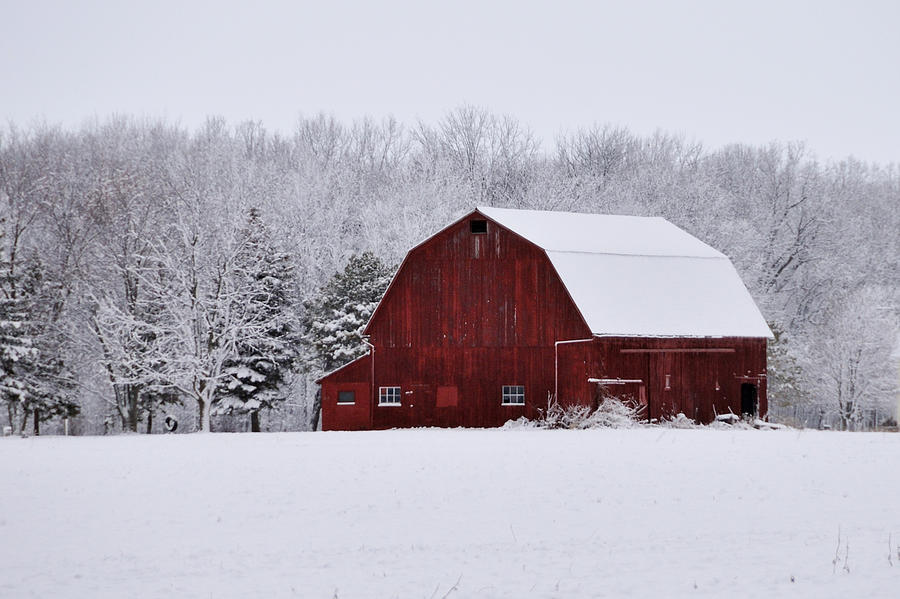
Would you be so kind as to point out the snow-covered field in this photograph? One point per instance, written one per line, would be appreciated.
(452, 513)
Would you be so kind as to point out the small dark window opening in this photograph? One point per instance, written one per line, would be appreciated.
(478, 227)
(346, 397)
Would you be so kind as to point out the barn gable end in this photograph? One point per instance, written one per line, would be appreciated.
(460, 288)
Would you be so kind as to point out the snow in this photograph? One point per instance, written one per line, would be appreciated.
(728, 418)
(659, 296)
(640, 276)
(408, 513)
(601, 233)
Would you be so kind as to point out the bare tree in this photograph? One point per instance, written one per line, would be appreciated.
(851, 368)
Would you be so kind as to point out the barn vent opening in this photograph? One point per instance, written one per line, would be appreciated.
(748, 399)
(478, 227)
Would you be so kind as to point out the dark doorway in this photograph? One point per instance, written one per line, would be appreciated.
(748, 399)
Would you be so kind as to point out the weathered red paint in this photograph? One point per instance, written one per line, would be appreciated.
(356, 377)
(470, 312)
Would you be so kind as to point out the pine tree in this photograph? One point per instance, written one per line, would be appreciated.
(52, 390)
(335, 318)
(259, 370)
(17, 350)
(36, 380)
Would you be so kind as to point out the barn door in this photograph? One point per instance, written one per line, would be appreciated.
(667, 385)
(421, 406)
(748, 399)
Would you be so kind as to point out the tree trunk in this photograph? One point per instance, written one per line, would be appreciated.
(127, 400)
(254, 421)
(37, 423)
(149, 422)
(317, 409)
(204, 415)
(133, 409)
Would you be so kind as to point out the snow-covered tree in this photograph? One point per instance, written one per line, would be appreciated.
(35, 380)
(51, 382)
(129, 211)
(785, 384)
(335, 318)
(852, 370)
(17, 352)
(213, 307)
(259, 370)
(127, 334)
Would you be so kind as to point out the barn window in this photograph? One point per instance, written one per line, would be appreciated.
(513, 395)
(389, 396)
(478, 226)
(346, 398)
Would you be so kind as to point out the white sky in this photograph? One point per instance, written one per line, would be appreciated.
(821, 71)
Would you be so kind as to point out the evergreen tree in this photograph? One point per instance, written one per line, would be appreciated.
(17, 350)
(334, 320)
(258, 372)
(52, 389)
(35, 381)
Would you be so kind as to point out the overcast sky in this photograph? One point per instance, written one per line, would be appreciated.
(751, 71)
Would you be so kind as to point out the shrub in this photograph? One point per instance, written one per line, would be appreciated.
(612, 412)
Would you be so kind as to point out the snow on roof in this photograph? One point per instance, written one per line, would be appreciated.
(640, 276)
(601, 233)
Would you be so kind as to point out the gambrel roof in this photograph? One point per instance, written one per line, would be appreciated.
(633, 276)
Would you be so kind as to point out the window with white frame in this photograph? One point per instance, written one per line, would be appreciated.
(513, 395)
(388, 396)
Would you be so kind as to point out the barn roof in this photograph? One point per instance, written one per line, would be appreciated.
(640, 276)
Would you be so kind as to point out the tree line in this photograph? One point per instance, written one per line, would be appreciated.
(215, 273)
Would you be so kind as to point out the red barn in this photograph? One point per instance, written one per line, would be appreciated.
(490, 317)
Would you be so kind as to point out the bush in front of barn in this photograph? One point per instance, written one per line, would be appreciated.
(611, 412)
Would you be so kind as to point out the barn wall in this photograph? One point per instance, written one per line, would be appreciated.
(355, 377)
(695, 367)
(477, 376)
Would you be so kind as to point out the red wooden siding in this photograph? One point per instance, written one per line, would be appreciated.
(468, 313)
(354, 377)
(695, 367)
(461, 289)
